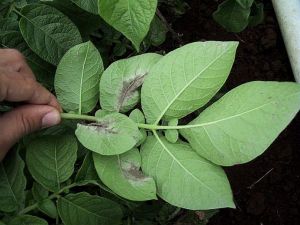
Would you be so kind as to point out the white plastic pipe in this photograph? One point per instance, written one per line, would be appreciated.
(288, 16)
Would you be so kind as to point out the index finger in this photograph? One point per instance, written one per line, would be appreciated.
(16, 88)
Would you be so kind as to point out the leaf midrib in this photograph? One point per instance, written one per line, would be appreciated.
(179, 163)
(188, 84)
(10, 186)
(81, 79)
(230, 117)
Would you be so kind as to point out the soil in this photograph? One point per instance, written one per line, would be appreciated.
(266, 191)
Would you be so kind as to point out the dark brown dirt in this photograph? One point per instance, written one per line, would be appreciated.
(266, 190)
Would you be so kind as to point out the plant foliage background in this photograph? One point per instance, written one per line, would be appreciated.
(124, 139)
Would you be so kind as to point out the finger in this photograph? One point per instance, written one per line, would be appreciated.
(22, 121)
(17, 89)
(13, 61)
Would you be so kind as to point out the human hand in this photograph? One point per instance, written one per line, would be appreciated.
(18, 84)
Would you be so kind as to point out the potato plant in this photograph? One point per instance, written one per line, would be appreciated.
(132, 131)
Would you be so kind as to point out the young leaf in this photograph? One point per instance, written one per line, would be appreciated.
(121, 81)
(232, 16)
(137, 116)
(83, 208)
(27, 220)
(121, 173)
(48, 32)
(157, 33)
(172, 135)
(90, 5)
(131, 18)
(87, 170)
(51, 160)
(39, 192)
(186, 79)
(48, 207)
(12, 182)
(77, 78)
(111, 135)
(244, 122)
(257, 14)
(183, 178)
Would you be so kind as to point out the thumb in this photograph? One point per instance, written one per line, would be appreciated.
(24, 120)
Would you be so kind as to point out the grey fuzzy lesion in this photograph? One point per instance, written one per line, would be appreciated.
(129, 87)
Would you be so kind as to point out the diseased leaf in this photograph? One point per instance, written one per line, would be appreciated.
(77, 78)
(172, 135)
(27, 220)
(111, 135)
(121, 173)
(90, 5)
(244, 122)
(232, 16)
(51, 160)
(186, 79)
(48, 32)
(12, 182)
(87, 170)
(83, 208)
(121, 82)
(132, 18)
(183, 178)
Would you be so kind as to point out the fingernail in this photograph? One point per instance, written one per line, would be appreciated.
(50, 119)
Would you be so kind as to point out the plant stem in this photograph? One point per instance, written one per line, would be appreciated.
(50, 197)
(71, 116)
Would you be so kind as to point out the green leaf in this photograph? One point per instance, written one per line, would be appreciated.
(83, 208)
(87, 170)
(245, 3)
(111, 135)
(132, 18)
(121, 173)
(232, 16)
(186, 79)
(51, 160)
(48, 207)
(157, 33)
(257, 14)
(28, 220)
(137, 116)
(172, 135)
(90, 5)
(85, 22)
(39, 192)
(101, 113)
(43, 71)
(244, 122)
(121, 81)
(8, 25)
(48, 32)
(12, 182)
(183, 178)
(77, 78)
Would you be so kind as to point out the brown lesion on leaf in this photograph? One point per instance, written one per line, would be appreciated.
(103, 127)
(129, 87)
(133, 172)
